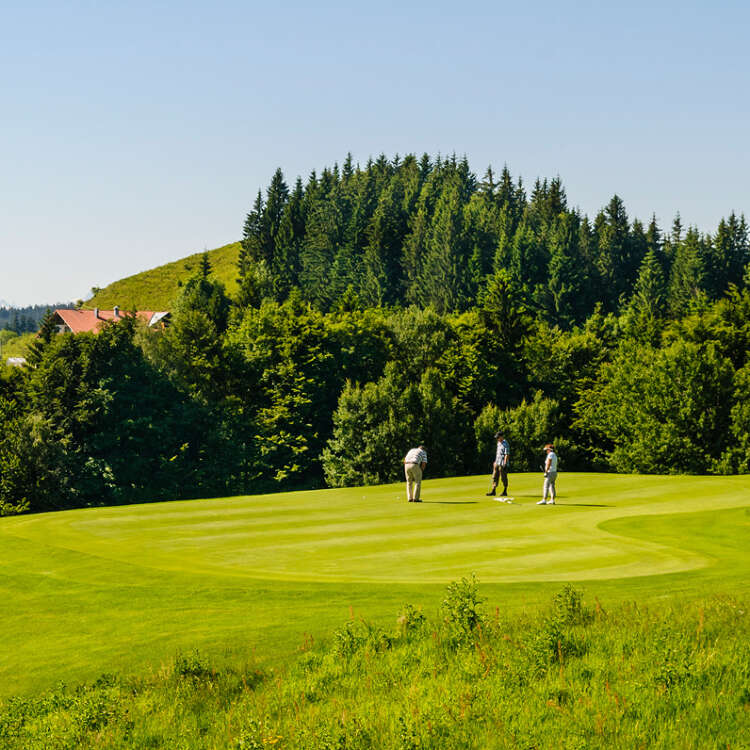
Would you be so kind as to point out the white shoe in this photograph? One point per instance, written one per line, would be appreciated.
(542, 502)
(551, 502)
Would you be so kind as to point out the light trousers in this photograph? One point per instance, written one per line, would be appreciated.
(549, 485)
(413, 481)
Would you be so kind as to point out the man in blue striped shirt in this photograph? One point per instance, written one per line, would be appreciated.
(500, 467)
(415, 462)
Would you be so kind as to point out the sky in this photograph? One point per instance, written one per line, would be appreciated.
(134, 134)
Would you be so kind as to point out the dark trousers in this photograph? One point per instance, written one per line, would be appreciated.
(500, 473)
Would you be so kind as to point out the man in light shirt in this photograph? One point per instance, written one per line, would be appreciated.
(415, 462)
(550, 474)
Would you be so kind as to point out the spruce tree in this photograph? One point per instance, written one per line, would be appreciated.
(615, 262)
(47, 331)
(443, 278)
(650, 291)
(567, 273)
(288, 239)
(382, 257)
(277, 196)
(686, 281)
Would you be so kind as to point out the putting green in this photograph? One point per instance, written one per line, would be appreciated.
(90, 590)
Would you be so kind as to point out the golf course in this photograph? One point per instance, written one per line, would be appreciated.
(124, 589)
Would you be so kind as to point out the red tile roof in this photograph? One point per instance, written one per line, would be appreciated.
(80, 321)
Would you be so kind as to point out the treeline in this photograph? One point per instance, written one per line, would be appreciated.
(428, 233)
(23, 319)
(638, 362)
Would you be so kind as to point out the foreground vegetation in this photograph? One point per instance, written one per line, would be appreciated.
(570, 675)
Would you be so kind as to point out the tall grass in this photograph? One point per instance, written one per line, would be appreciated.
(570, 675)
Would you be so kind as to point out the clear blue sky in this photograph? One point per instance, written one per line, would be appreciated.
(136, 133)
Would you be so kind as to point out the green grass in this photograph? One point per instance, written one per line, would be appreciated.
(572, 675)
(157, 288)
(17, 346)
(124, 589)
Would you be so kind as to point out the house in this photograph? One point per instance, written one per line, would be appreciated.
(81, 321)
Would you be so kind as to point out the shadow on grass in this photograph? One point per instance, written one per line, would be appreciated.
(586, 505)
(561, 501)
(449, 502)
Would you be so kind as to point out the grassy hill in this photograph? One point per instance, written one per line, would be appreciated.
(157, 288)
(125, 588)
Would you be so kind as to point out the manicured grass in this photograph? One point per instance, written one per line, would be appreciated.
(124, 589)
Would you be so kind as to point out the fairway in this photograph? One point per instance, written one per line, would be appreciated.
(89, 591)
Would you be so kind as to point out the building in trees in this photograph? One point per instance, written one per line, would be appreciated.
(81, 321)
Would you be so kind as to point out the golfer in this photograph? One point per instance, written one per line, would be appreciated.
(500, 466)
(415, 462)
(550, 475)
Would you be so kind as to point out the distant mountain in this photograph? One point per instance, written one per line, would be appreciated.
(156, 289)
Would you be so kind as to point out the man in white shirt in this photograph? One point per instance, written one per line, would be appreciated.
(415, 462)
(550, 475)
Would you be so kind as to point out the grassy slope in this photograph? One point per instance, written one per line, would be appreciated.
(17, 347)
(117, 588)
(157, 288)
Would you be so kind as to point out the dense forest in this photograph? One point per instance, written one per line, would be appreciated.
(379, 306)
(24, 319)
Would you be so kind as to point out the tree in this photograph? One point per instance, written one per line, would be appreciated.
(647, 304)
(661, 410)
(47, 331)
(686, 281)
(567, 273)
(375, 424)
(288, 243)
(383, 275)
(616, 264)
(527, 428)
(443, 282)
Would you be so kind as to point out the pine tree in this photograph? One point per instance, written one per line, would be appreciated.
(382, 258)
(567, 273)
(347, 171)
(614, 262)
(251, 253)
(205, 265)
(277, 196)
(686, 281)
(727, 256)
(443, 280)
(650, 291)
(488, 184)
(288, 241)
(47, 331)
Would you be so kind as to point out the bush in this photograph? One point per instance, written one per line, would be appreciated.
(461, 609)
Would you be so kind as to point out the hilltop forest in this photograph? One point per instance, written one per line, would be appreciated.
(379, 306)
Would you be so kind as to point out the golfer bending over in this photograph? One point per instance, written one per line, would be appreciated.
(550, 474)
(415, 462)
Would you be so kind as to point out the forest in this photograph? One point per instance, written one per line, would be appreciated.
(399, 302)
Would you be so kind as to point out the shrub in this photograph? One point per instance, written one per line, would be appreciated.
(461, 609)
